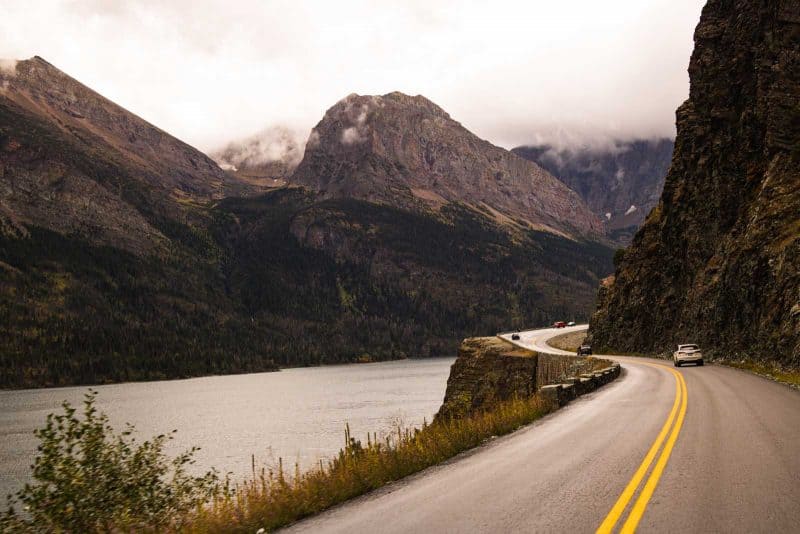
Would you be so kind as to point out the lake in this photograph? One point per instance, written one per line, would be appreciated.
(296, 414)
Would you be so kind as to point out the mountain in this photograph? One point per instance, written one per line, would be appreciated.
(718, 260)
(126, 255)
(620, 183)
(405, 151)
(74, 162)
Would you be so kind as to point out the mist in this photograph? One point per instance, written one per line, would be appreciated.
(211, 72)
(275, 144)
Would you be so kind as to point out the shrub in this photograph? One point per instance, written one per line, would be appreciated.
(90, 479)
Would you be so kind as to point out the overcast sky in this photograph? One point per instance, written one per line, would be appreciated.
(209, 71)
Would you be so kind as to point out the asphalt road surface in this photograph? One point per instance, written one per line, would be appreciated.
(697, 449)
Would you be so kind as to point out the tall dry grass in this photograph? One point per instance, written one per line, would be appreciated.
(276, 498)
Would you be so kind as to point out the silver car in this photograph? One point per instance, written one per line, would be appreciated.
(688, 353)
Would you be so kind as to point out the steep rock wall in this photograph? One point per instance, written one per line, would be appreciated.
(488, 370)
(718, 260)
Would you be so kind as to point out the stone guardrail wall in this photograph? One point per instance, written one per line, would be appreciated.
(573, 387)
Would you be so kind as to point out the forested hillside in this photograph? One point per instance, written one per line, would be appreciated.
(247, 293)
(110, 273)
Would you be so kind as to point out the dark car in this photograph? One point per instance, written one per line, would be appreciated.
(585, 350)
(515, 337)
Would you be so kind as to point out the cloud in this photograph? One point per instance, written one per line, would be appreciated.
(356, 115)
(210, 71)
(8, 67)
(351, 136)
(276, 144)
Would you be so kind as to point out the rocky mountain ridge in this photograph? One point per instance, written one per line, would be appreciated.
(74, 162)
(41, 89)
(407, 152)
(621, 182)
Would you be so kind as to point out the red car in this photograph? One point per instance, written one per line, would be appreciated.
(559, 324)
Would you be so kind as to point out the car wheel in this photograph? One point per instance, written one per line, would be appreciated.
(700, 363)
(675, 364)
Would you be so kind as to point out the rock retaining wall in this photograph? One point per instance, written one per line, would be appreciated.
(574, 387)
(489, 370)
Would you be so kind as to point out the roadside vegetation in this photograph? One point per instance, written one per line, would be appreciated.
(274, 499)
(771, 370)
(89, 478)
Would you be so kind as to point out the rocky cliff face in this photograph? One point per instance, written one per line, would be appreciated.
(718, 260)
(620, 183)
(407, 152)
(488, 370)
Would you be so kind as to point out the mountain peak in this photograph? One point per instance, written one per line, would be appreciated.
(408, 152)
(39, 89)
(355, 115)
(12, 68)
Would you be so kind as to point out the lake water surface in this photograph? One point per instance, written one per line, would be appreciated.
(296, 414)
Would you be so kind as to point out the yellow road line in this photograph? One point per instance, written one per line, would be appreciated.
(641, 503)
(623, 500)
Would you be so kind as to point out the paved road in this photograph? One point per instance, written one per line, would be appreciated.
(728, 461)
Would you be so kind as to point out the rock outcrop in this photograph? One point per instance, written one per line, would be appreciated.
(405, 151)
(488, 370)
(718, 260)
(621, 183)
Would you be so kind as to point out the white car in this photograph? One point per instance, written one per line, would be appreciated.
(571, 323)
(689, 353)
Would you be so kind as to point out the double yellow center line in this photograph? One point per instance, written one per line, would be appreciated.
(635, 515)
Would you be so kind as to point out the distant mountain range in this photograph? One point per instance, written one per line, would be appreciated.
(126, 254)
(620, 183)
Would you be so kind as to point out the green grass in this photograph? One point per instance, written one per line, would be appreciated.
(275, 498)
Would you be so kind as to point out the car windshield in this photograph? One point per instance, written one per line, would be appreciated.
(689, 347)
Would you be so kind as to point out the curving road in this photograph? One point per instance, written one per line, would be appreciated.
(723, 445)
